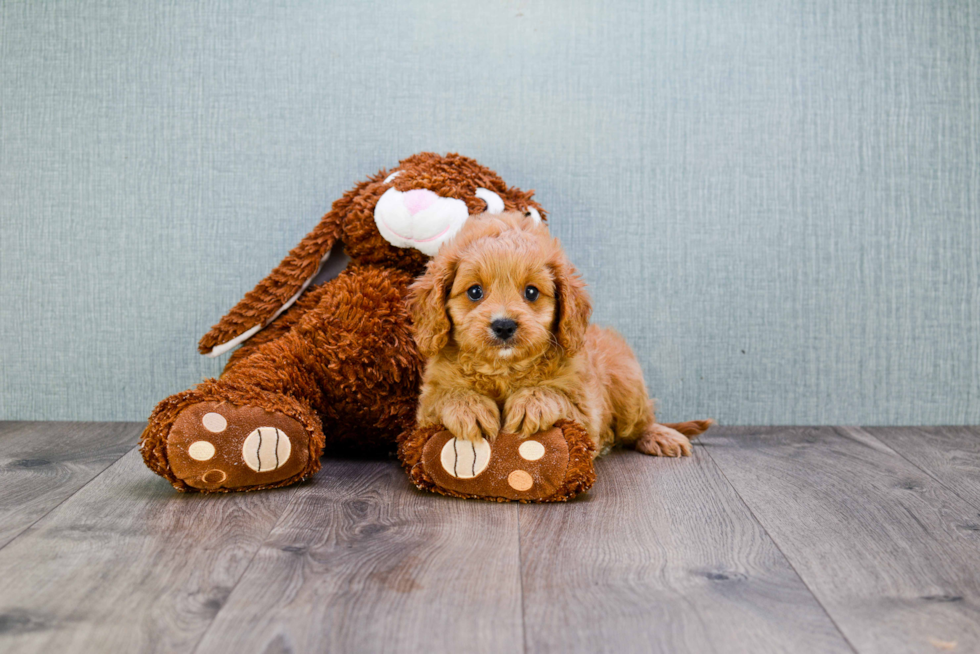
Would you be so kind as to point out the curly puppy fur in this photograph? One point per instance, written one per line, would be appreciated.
(503, 319)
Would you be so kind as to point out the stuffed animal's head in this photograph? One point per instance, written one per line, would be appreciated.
(396, 218)
(401, 217)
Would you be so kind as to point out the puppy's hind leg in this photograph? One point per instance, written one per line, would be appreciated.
(661, 440)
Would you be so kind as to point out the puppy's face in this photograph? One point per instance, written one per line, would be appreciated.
(501, 290)
(502, 302)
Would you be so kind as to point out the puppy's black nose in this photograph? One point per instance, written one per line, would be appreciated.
(503, 328)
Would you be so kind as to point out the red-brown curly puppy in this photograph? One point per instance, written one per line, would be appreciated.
(503, 319)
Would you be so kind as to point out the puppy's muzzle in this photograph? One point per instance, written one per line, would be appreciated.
(503, 328)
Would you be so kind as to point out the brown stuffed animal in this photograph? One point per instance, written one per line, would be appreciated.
(336, 366)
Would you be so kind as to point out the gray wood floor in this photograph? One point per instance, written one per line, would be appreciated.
(766, 540)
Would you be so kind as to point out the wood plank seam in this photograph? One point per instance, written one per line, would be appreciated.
(663, 558)
(128, 565)
(66, 498)
(245, 570)
(889, 552)
(377, 547)
(925, 471)
(777, 546)
(520, 564)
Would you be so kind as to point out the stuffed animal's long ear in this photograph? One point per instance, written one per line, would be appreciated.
(285, 284)
(427, 302)
(574, 305)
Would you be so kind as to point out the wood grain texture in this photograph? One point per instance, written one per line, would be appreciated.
(43, 463)
(127, 564)
(662, 556)
(951, 455)
(363, 562)
(891, 553)
(767, 539)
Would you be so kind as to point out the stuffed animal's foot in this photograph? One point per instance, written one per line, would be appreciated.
(550, 466)
(214, 445)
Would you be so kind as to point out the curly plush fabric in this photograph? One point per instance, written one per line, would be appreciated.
(337, 360)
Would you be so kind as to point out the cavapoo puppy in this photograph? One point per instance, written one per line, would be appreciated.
(503, 320)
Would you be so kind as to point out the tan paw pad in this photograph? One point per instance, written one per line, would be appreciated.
(520, 480)
(214, 422)
(201, 451)
(531, 450)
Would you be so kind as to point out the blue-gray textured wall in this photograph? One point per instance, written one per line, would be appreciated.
(777, 201)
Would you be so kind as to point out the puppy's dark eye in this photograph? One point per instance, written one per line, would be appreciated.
(475, 292)
(531, 293)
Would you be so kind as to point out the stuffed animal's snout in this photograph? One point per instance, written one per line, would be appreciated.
(418, 200)
(419, 219)
(423, 219)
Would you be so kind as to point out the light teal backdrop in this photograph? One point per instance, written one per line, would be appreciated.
(776, 201)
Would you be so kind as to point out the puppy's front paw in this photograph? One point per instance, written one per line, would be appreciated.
(531, 410)
(660, 440)
(472, 418)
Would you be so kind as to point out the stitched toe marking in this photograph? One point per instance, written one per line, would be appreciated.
(266, 449)
(214, 476)
(465, 459)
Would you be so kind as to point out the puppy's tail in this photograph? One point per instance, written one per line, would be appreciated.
(691, 428)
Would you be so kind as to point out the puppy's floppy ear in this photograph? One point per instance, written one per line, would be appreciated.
(427, 302)
(574, 306)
